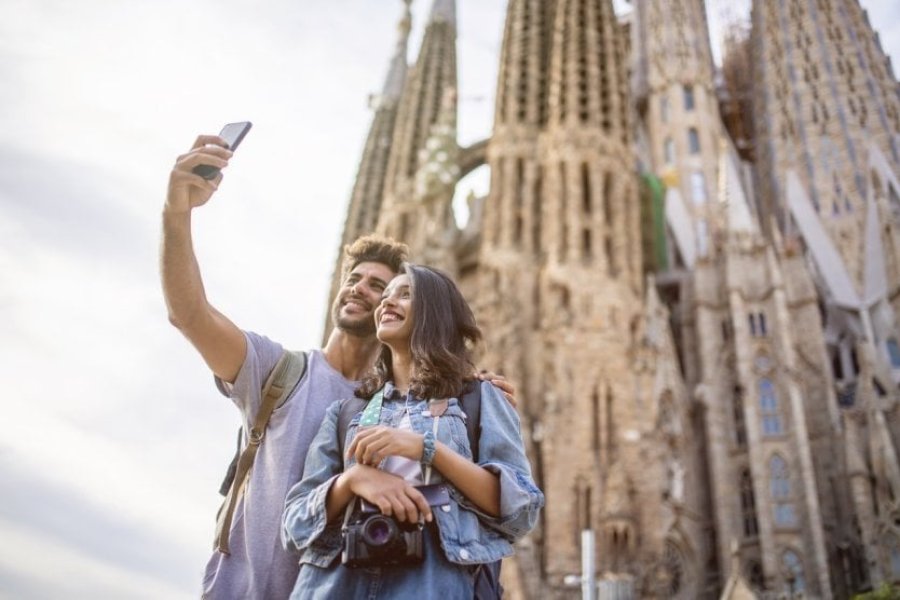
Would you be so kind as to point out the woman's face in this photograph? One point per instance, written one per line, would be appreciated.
(394, 316)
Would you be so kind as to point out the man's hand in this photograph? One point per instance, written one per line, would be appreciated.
(372, 444)
(501, 383)
(188, 190)
(391, 494)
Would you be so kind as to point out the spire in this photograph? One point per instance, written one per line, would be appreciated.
(443, 11)
(433, 73)
(368, 189)
(835, 98)
(393, 84)
(524, 62)
(732, 192)
(588, 84)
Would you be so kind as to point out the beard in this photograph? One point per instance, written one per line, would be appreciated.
(361, 326)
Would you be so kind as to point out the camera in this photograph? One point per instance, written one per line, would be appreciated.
(375, 540)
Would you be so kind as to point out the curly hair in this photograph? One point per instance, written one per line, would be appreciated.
(443, 333)
(374, 248)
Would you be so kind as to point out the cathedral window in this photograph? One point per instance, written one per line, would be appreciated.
(740, 429)
(702, 238)
(698, 188)
(768, 404)
(688, 98)
(758, 327)
(669, 152)
(779, 482)
(893, 546)
(755, 575)
(780, 490)
(893, 352)
(585, 189)
(748, 505)
(563, 215)
(536, 204)
(673, 573)
(894, 202)
(793, 573)
(664, 109)
(693, 141)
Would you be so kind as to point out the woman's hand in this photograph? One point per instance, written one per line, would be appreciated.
(373, 444)
(393, 495)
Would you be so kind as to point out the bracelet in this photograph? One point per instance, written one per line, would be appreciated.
(428, 448)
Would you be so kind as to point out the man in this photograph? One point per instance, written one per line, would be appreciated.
(258, 566)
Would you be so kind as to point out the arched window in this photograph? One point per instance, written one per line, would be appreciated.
(669, 151)
(893, 352)
(779, 480)
(755, 575)
(780, 491)
(795, 582)
(893, 546)
(768, 405)
(688, 98)
(674, 566)
(693, 141)
(748, 505)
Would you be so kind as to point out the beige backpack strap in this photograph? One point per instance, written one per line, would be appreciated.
(281, 382)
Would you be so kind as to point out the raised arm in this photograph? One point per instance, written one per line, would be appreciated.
(220, 342)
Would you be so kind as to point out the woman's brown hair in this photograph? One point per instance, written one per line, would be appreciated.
(443, 333)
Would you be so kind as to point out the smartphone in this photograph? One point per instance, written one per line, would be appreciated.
(233, 134)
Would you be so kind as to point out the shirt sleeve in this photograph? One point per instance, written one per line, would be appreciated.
(304, 522)
(262, 356)
(502, 452)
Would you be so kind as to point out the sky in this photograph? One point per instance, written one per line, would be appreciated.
(114, 439)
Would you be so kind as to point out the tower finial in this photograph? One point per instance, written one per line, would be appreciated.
(443, 10)
(396, 76)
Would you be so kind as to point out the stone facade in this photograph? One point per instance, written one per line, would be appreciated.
(705, 349)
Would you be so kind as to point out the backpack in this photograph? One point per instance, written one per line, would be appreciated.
(281, 382)
(487, 575)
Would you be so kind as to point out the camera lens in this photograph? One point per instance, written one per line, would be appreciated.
(379, 531)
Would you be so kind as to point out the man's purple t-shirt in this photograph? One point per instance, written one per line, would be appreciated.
(258, 566)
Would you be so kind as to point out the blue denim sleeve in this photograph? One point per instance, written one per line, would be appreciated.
(502, 452)
(304, 522)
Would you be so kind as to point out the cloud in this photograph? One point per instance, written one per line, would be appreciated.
(42, 508)
(69, 206)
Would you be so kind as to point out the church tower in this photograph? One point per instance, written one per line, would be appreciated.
(422, 169)
(676, 100)
(828, 127)
(511, 253)
(368, 189)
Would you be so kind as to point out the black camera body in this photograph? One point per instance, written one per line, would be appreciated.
(376, 540)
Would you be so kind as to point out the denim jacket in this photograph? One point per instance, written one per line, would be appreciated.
(468, 535)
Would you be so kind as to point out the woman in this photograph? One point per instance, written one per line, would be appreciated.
(417, 436)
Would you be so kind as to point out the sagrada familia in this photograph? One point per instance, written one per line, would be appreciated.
(691, 273)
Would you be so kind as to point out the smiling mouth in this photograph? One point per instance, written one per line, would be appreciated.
(356, 304)
(391, 318)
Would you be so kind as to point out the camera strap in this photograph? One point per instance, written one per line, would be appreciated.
(371, 416)
(434, 430)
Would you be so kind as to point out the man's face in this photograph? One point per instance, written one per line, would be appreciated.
(354, 306)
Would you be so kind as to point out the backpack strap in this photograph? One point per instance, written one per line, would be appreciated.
(471, 405)
(288, 371)
(349, 407)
